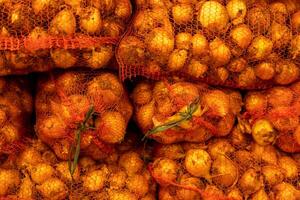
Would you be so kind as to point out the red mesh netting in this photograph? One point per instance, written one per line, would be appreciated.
(272, 116)
(234, 167)
(38, 174)
(235, 43)
(37, 35)
(82, 109)
(174, 111)
(15, 113)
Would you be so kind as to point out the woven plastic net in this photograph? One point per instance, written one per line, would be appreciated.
(37, 35)
(174, 110)
(272, 116)
(16, 106)
(84, 111)
(230, 168)
(234, 43)
(37, 173)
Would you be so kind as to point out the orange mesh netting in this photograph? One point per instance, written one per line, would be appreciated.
(174, 111)
(38, 174)
(37, 35)
(15, 113)
(78, 109)
(234, 43)
(273, 116)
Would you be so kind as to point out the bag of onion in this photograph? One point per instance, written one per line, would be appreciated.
(272, 116)
(16, 107)
(175, 111)
(37, 35)
(236, 43)
(79, 111)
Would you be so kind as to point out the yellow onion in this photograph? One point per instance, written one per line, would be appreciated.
(289, 166)
(260, 195)
(36, 34)
(213, 16)
(263, 132)
(235, 194)
(112, 28)
(95, 180)
(182, 13)
(267, 154)
(117, 180)
(41, 172)
(90, 20)
(247, 77)
(265, 70)
(218, 102)
(188, 181)
(28, 157)
(106, 6)
(220, 52)
(177, 59)
(142, 94)
(52, 127)
(132, 51)
(137, 185)
(280, 96)
(237, 10)
(63, 169)
(222, 74)
(286, 72)
(99, 57)
(199, 45)
(273, 174)
(19, 60)
(250, 182)
(172, 151)
(9, 179)
(144, 115)
(196, 68)
(53, 188)
(19, 18)
(61, 148)
(10, 133)
(280, 35)
(286, 191)
(259, 18)
(123, 9)
(295, 21)
(121, 194)
(26, 190)
(237, 65)
(131, 162)
(241, 36)
(165, 169)
(260, 48)
(41, 6)
(63, 58)
(64, 23)
(238, 138)
(183, 40)
(219, 147)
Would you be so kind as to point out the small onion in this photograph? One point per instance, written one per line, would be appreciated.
(280, 35)
(260, 48)
(272, 174)
(280, 96)
(219, 147)
(295, 21)
(183, 40)
(263, 132)
(259, 19)
(220, 52)
(199, 45)
(63, 58)
(165, 169)
(177, 59)
(64, 23)
(196, 68)
(250, 182)
(90, 20)
(286, 72)
(286, 191)
(237, 10)
(182, 13)
(289, 166)
(255, 102)
(265, 70)
(260, 195)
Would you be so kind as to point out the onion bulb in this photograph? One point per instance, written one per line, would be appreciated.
(237, 65)
(52, 127)
(123, 9)
(9, 179)
(63, 58)
(106, 6)
(286, 72)
(183, 40)
(19, 19)
(26, 190)
(165, 169)
(198, 163)
(272, 174)
(280, 35)
(132, 51)
(218, 102)
(260, 48)
(99, 57)
(222, 74)
(246, 78)
(289, 166)
(131, 162)
(250, 182)
(196, 68)
(95, 180)
(53, 188)
(280, 96)
(265, 70)
(41, 172)
(213, 16)
(172, 151)
(144, 116)
(182, 13)
(142, 94)
(199, 45)
(267, 154)
(64, 23)
(137, 185)
(295, 21)
(177, 59)
(220, 52)
(263, 132)
(90, 20)
(117, 180)
(237, 10)
(286, 191)
(219, 147)
(188, 194)
(259, 19)
(63, 170)
(260, 195)
(112, 28)
(28, 158)
(279, 12)
(40, 6)
(235, 194)
(121, 194)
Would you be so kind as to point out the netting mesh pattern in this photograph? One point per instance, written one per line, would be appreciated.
(235, 43)
(174, 110)
(37, 35)
(273, 116)
(81, 108)
(230, 168)
(16, 107)
(38, 174)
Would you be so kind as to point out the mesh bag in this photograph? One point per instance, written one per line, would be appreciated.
(15, 113)
(272, 116)
(234, 167)
(233, 43)
(78, 110)
(174, 110)
(39, 35)
(37, 173)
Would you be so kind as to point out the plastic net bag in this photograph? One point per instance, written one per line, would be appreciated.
(235, 43)
(81, 111)
(39, 35)
(174, 110)
(234, 167)
(16, 106)
(272, 116)
(37, 173)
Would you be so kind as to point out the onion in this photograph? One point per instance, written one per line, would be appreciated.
(213, 16)
(38, 33)
(142, 94)
(263, 132)
(280, 96)
(255, 102)
(137, 185)
(52, 127)
(166, 170)
(64, 173)
(90, 20)
(10, 132)
(220, 52)
(284, 123)
(244, 159)
(259, 19)
(295, 21)
(219, 147)
(294, 48)
(218, 102)
(106, 6)
(131, 162)
(63, 58)
(265, 70)
(182, 13)
(29, 157)
(237, 10)
(132, 51)
(236, 102)
(117, 180)
(296, 135)
(222, 74)
(250, 182)
(112, 28)
(235, 194)
(123, 9)
(224, 171)
(272, 174)
(177, 59)
(260, 195)
(267, 154)
(286, 72)
(188, 194)
(124, 195)
(280, 35)
(247, 78)
(41, 6)
(198, 163)
(183, 40)
(64, 23)
(41, 172)
(95, 180)
(53, 188)
(172, 151)
(26, 190)
(237, 65)
(289, 166)
(286, 191)
(199, 45)
(19, 19)
(99, 57)
(9, 179)
(61, 148)
(279, 12)
(260, 48)
(144, 116)
(237, 138)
